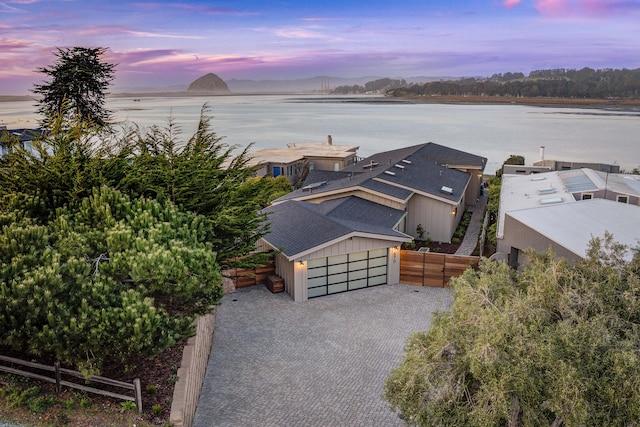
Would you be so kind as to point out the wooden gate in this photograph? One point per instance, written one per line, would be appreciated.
(433, 269)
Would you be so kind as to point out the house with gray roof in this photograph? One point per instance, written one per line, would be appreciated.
(342, 230)
(431, 182)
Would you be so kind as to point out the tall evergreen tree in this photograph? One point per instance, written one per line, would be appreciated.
(207, 177)
(78, 84)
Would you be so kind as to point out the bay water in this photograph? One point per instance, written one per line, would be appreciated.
(378, 124)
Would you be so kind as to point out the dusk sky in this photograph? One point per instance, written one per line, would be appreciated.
(171, 43)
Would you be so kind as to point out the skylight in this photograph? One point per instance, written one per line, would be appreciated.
(446, 190)
(546, 190)
(390, 173)
(551, 200)
(399, 166)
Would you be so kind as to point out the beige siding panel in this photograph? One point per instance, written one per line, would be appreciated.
(355, 244)
(359, 193)
(434, 215)
(285, 269)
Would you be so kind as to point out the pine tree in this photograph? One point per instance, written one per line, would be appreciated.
(206, 177)
(77, 87)
(113, 278)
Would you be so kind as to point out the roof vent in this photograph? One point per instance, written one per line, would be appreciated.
(370, 165)
(446, 190)
(310, 187)
(399, 166)
(390, 173)
(547, 190)
(551, 200)
(407, 162)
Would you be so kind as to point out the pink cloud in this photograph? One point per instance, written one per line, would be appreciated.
(554, 7)
(584, 8)
(510, 3)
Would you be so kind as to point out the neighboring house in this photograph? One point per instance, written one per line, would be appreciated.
(279, 162)
(567, 228)
(524, 197)
(524, 170)
(298, 158)
(344, 231)
(559, 165)
(24, 136)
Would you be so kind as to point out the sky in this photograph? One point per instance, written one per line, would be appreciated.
(169, 43)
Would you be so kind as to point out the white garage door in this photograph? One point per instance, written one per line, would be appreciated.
(346, 272)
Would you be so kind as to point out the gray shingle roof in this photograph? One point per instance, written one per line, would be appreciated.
(450, 156)
(426, 175)
(422, 168)
(384, 159)
(297, 227)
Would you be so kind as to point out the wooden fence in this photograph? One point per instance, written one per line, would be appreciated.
(56, 373)
(432, 268)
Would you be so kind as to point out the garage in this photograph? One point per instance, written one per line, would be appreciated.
(342, 273)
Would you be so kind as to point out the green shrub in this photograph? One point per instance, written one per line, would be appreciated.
(156, 409)
(94, 281)
(128, 405)
(151, 389)
(40, 404)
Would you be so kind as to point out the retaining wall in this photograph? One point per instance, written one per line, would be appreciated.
(192, 372)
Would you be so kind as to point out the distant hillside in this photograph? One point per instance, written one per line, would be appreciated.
(554, 83)
(209, 83)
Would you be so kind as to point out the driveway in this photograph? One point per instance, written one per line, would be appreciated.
(318, 363)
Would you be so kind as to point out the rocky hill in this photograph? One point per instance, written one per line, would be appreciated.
(209, 83)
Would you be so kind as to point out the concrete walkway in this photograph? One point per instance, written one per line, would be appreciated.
(470, 240)
(318, 363)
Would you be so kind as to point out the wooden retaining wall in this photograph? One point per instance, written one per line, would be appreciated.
(244, 278)
(433, 269)
(195, 357)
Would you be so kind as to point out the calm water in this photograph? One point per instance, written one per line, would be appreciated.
(493, 131)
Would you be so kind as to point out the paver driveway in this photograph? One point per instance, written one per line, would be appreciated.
(318, 363)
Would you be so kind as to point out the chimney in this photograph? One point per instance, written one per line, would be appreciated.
(329, 140)
(542, 152)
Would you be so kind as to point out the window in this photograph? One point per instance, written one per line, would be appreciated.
(587, 196)
(622, 199)
(336, 166)
(312, 166)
